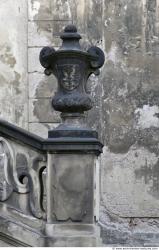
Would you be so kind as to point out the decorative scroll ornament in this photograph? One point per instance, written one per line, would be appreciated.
(16, 175)
(37, 187)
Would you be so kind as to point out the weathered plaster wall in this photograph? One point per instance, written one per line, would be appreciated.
(130, 183)
(126, 111)
(13, 62)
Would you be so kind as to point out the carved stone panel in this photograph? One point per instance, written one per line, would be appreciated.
(21, 171)
(6, 160)
(70, 186)
(69, 75)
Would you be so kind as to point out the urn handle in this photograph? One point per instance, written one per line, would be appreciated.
(45, 58)
(100, 58)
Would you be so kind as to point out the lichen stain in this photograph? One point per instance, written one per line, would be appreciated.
(46, 87)
(43, 111)
(34, 8)
(8, 61)
(2, 80)
(151, 32)
(146, 116)
(62, 9)
(16, 82)
(150, 174)
(44, 27)
(7, 57)
(112, 54)
(73, 180)
(41, 9)
(19, 114)
(81, 9)
(38, 109)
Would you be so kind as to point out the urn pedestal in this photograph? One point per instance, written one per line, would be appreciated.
(70, 201)
(71, 166)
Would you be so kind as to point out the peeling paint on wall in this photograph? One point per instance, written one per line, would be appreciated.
(147, 116)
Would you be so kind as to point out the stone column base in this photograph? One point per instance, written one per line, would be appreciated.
(18, 234)
(73, 235)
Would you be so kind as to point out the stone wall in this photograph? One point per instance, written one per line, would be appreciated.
(126, 112)
(129, 169)
(13, 62)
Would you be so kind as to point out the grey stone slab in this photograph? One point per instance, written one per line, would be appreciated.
(4, 244)
(35, 7)
(41, 86)
(19, 235)
(41, 129)
(40, 33)
(16, 113)
(40, 110)
(87, 16)
(70, 187)
(78, 241)
(33, 60)
(45, 33)
(74, 229)
(50, 10)
(13, 61)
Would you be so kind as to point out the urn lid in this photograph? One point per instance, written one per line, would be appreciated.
(70, 38)
(71, 48)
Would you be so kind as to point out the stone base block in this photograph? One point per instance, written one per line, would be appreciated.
(73, 235)
(17, 234)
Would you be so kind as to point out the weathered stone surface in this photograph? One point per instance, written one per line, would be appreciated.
(17, 234)
(13, 61)
(125, 174)
(130, 108)
(133, 232)
(70, 187)
(41, 129)
(50, 10)
(74, 235)
(41, 111)
(45, 33)
(88, 18)
(4, 244)
(33, 60)
(41, 86)
(130, 122)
